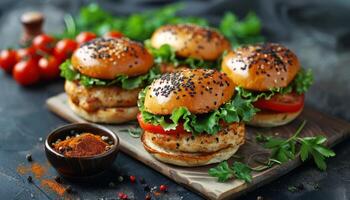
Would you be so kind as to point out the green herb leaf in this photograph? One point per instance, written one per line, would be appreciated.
(242, 172)
(238, 170)
(261, 138)
(223, 172)
(123, 81)
(319, 160)
(304, 151)
(283, 150)
(315, 147)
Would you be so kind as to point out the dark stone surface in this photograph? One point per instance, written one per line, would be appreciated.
(318, 31)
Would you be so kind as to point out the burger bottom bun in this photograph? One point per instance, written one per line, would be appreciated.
(115, 115)
(273, 119)
(193, 158)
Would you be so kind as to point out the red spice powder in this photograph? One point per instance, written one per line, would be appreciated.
(53, 185)
(35, 168)
(86, 144)
(39, 171)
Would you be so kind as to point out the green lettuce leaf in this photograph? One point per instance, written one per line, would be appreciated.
(166, 54)
(123, 81)
(235, 110)
(300, 84)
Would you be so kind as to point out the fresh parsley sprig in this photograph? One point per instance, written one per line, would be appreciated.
(225, 172)
(282, 150)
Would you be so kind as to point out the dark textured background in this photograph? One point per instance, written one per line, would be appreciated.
(318, 31)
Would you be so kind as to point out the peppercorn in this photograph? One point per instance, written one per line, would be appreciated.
(146, 188)
(69, 189)
(58, 179)
(29, 157)
(132, 179)
(30, 179)
(163, 188)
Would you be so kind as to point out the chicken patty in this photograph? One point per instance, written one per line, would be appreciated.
(94, 98)
(231, 135)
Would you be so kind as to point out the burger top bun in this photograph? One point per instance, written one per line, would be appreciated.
(199, 90)
(261, 67)
(107, 58)
(190, 40)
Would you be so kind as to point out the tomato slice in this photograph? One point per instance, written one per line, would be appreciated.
(158, 128)
(291, 102)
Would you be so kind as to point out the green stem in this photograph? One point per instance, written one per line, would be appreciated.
(300, 128)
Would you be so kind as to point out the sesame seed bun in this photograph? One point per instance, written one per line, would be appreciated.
(261, 67)
(189, 40)
(107, 58)
(199, 90)
(266, 118)
(200, 150)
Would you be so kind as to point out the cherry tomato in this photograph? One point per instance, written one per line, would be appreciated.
(44, 43)
(26, 72)
(113, 34)
(158, 128)
(27, 53)
(8, 59)
(64, 49)
(49, 68)
(85, 37)
(291, 102)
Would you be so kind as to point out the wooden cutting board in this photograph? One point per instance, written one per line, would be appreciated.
(197, 179)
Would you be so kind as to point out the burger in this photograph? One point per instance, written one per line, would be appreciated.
(192, 118)
(104, 77)
(181, 46)
(270, 76)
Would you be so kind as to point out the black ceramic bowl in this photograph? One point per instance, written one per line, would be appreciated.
(81, 167)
